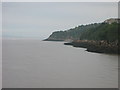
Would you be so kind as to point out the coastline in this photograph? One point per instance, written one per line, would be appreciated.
(52, 40)
(93, 46)
(96, 46)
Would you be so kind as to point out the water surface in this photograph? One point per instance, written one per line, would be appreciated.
(43, 64)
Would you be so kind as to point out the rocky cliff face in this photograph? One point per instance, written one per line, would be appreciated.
(98, 37)
(96, 46)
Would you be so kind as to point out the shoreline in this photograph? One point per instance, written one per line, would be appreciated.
(52, 40)
(95, 46)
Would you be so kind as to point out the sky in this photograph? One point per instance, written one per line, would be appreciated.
(40, 19)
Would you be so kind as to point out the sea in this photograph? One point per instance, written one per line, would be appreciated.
(49, 64)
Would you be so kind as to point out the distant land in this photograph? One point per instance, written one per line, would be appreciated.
(98, 37)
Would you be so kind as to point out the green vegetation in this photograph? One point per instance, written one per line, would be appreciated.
(104, 31)
(97, 31)
(73, 34)
(97, 37)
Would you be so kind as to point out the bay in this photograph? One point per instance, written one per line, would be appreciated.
(44, 64)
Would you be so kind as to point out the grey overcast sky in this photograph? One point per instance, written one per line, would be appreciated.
(40, 19)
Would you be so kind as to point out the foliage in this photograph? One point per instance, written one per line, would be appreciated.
(96, 31)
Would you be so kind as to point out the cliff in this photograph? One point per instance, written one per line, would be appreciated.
(98, 37)
(97, 46)
(107, 30)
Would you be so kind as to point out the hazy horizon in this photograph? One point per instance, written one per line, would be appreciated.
(39, 20)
